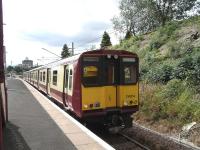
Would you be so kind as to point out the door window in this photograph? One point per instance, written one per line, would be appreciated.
(70, 79)
(66, 78)
(43, 76)
(129, 74)
(55, 73)
(129, 71)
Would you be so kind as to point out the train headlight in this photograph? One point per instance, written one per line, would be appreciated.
(125, 103)
(108, 56)
(85, 106)
(115, 56)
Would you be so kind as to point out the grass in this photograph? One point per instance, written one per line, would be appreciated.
(164, 97)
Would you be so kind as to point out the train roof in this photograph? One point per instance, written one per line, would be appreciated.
(106, 51)
(76, 57)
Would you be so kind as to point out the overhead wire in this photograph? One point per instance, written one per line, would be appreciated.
(93, 40)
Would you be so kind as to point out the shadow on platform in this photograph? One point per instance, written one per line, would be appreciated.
(13, 140)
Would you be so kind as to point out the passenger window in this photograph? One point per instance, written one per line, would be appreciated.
(70, 79)
(43, 76)
(90, 75)
(55, 73)
(40, 76)
(91, 71)
(130, 74)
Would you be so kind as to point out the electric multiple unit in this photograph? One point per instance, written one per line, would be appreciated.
(97, 86)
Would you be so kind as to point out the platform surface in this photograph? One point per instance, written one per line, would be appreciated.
(35, 124)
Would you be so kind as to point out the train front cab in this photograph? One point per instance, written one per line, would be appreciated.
(110, 87)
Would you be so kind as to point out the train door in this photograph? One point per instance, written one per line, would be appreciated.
(111, 76)
(48, 80)
(38, 79)
(68, 85)
(127, 90)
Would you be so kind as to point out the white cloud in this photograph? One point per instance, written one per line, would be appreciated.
(68, 19)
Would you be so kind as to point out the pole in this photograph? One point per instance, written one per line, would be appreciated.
(72, 48)
(2, 77)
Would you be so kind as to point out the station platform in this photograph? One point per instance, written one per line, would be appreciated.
(36, 123)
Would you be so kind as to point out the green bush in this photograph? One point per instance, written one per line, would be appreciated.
(193, 77)
(155, 45)
(174, 49)
(169, 28)
(182, 70)
(161, 73)
(172, 90)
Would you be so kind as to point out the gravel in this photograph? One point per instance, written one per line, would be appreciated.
(157, 141)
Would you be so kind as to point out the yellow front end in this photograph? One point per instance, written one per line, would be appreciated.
(109, 97)
(98, 97)
(128, 95)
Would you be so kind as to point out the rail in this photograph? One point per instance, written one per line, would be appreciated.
(134, 141)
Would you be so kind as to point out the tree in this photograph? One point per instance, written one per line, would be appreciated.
(128, 35)
(167, 10)
(127, 20)
(145, 15)
(18, 70)
(10, 68)
(105, 42)
(65, 51)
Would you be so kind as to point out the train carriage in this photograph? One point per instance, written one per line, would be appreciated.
(99, 85)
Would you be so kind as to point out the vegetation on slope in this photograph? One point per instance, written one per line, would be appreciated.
(169, 72)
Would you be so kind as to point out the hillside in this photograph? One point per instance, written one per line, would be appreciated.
(170, 76)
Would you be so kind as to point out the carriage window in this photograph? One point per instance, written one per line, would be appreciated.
(40, 76)
(90, 75)
(55, 73)
(90, 71)
(43, 76)
(70, 79)
(130, 74)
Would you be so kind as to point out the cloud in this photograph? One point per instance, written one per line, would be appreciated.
(90, 32)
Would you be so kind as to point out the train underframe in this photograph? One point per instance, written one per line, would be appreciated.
(112, 120)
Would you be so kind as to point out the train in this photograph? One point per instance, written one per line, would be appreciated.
(100, 86)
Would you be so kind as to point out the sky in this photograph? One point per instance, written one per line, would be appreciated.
(30, 25)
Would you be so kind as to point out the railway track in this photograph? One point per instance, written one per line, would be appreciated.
(124, 141)
(135, 142)
(119, 141)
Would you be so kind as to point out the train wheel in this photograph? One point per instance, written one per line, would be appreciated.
(128, 120)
